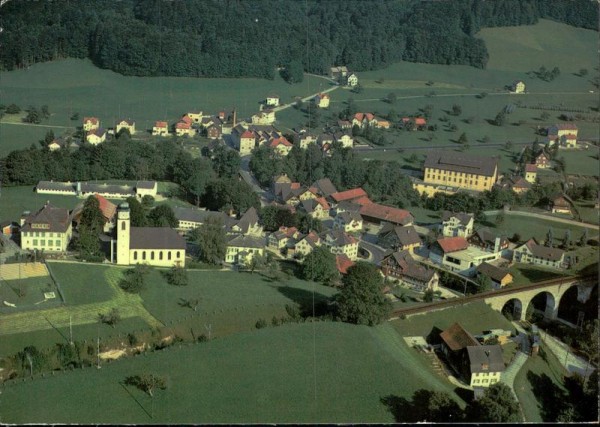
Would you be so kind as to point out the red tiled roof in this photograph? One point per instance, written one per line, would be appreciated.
(530, 168)
(354, 193)
(359, 116)
(160, 125)
(280, 141)
(187, 119)
(386, 213)
(362, 201)
(343, 263)
(570, 136)
(183, 125)
(93, 120)
(323, 96)
(323, 203)
(405, 119)
(295, 185)
(108, 209)
(247, 134)
(564, 126)
(420, 121)
(453, 244)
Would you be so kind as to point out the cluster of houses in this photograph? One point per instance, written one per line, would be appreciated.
(563, 134)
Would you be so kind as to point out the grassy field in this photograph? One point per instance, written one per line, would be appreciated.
(535, 227)
(525, 274)
(474, 317)
(540, 378)
(581, 162)
(83, 284)
(73, 85)
(309, 373)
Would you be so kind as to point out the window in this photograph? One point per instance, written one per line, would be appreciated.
(135, 255)
(160, 255)
(35, 242)
(50, 242)
(123, 226)
(169, 255)
(57, 243)
(143, 255)
(42, 243)
(152, 255)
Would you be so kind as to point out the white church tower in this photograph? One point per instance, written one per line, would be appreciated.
(123, 231)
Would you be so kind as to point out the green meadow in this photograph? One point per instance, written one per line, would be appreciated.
(294, 373)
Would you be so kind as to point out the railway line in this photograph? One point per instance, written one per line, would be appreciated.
(477, 297)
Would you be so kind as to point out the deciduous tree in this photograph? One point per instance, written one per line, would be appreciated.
(319, 265)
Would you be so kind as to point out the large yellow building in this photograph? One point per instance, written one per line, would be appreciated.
(156, 246)
(48, 229)
(443, 170)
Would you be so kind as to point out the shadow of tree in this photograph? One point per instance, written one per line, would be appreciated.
(426, 405)
(552, 399)
(311, 304)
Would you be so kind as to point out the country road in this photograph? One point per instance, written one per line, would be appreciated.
(309, 97)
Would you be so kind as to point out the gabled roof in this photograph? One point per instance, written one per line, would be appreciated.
(560, 201)
(485, 235)
(160, 124)
(409, 267)
(312, 239)
(530, 168)
(247, 242)
(453, 244)
(50, 218)
(339, 238)
(196, 215)
(92, 120)
(493, 272)
(420, 121)
(539, 251)
(325, 187)
(463, 217)
(155, 238)
(354, 193)
(485, 358)
(129, 122)
(343, 263)
(249, 219)
(99, 132)
(407, 235)
(280, 141)
(247, 134)
(386, 213)
(457, 338)
(183, 125)
(187, 119)
(349, 216)
(464, 163)
(565, 126)
(107, 208)
(520, 182)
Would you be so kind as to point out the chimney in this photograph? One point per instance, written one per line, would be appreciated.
(234, 117)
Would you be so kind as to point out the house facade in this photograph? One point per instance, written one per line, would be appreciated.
(341, 243)
(49, 230)
(530, 173)
(160, 129)
(399, 238)
(518, 86)
(401, 266)
(184, 129)
(322, 100)
(96, 136)
(90, 123)
(242, 249)
(455, 254)
(125, 124)
(305, 245)
(500, 277)
(350, 222)
(456, 224)
(560, 205)
(531, 252)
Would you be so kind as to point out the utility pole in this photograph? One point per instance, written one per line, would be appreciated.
(98, 351)
(71, 328)
(30, 364)
(208, 329)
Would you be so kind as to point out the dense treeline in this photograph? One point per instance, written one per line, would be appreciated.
(233, 38)
(210, 182)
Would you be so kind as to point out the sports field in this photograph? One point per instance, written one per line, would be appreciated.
(309, 373)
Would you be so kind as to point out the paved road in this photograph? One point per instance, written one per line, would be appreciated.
(310, 97)
(376, 251)
(545, 217)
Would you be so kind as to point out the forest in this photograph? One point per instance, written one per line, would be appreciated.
(240, 38)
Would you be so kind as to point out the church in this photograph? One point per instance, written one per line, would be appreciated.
(155, 246)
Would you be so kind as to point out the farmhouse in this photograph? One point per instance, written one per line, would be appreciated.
(49, 230)
(352, 80)
(160, 129)
(341, 243)
(339, 72)
(363, 120)
(305, 245)
(530, 173)
(399, 238)
(344, 138)
(284, 237)
(456, 224)
(96, 136)
(518, 184)
(194, 116)
(560, 205)
(155, 246)
(107, 208)
(125, 124)
(90, 123)
(322, 100)
(352, 194)
(518, 86)
(214, 131)
(324, 187)
(458, 170)
(489, 241)
(499, 277)
(377, 214)
(317, 208)
(272, 101)
(350, 222)
(531, 252)
(265, 117)
(400, 265)
(542, 161)
(242, 249)
(281, 145)
(305, 139)
(184, 129)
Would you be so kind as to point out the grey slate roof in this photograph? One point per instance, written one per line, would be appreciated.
(485, 358)
(407, 235)
(410, 268)
(196, 215)
(463, 217)
(155, 238)
(53, 219)
(247, 242)
(55, 186)
(464, 163)
(325, 187)
(249, 219)
(146, 185)
(493, 272)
